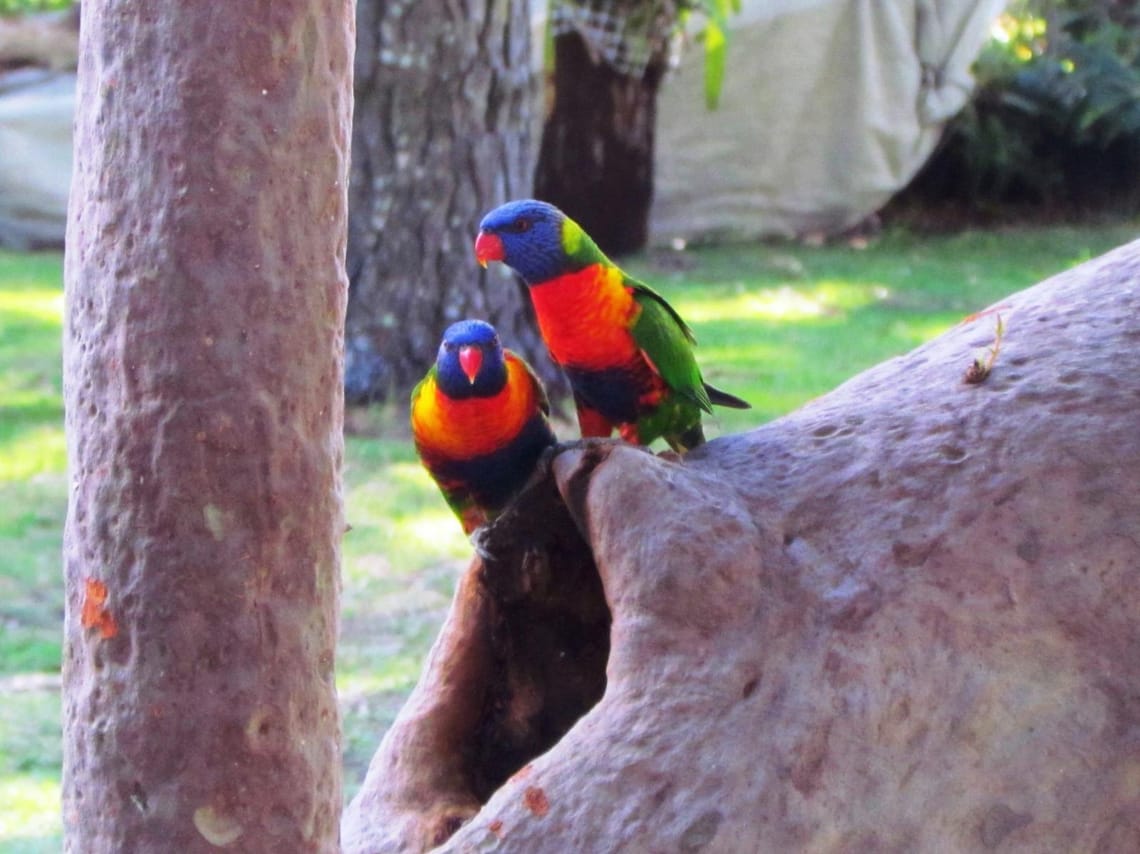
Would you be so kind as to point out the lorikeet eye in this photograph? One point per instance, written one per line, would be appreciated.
(519, 226)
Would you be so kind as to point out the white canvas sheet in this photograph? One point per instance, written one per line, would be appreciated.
(36, 109)
(829, 107)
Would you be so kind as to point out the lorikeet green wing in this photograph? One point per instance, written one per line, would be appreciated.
(667, 343)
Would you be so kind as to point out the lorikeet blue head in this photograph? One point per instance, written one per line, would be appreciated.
(470, 361)
(535, 239)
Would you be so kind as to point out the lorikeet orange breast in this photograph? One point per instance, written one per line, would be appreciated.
(585, 317)
(479, 421)
(628, 355)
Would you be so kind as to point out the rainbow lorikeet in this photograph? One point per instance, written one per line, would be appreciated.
(479, 420)
(627, 353)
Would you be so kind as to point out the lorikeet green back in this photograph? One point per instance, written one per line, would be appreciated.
(627, 353)
(479, 421)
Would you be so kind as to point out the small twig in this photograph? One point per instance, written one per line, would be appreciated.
(984, 360)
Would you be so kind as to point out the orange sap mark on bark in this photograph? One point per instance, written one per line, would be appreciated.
(535, 800)
(94, 614)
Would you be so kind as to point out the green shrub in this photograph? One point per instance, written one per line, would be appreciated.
(1055, 120)
(18, 7)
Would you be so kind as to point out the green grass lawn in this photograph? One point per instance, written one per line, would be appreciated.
(778, 324)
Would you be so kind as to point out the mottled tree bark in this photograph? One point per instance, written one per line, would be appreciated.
(596, 157)
(442, 134)
(205, 299)
(902, 618)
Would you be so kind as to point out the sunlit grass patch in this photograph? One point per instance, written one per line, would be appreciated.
(30, 822)
(402, 557)
(31, 408)
(32, 451)
(786, 302)
(31, 304)
(398, 511)
(30, 753)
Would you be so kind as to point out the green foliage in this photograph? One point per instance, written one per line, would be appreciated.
(646, 27)
(1055, 120)
(714, 36)
(19, 7)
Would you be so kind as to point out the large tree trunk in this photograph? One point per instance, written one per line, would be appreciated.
(902, 618)
(596, 157)
(203, 358)
(444, 94)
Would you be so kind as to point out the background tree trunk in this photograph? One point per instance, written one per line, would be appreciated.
(596, 158)
(442, 134)
(203, 362)
(900, 618)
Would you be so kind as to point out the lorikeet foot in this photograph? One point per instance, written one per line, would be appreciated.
(691, 438)
(630, 433)
(471, 518)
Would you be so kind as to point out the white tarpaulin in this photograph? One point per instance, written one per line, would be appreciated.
(36, 109)
(829, 107)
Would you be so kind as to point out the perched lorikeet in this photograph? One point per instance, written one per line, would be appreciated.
(479, 420)
(626, 351)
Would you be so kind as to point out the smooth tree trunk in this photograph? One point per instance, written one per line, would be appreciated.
(596, 157)
(205, 297)
(902, 618)
(442, 134)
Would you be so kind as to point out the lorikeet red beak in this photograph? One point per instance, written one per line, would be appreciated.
(488, 247)
(470, 360)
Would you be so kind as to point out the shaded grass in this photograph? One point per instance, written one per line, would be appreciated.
(30, 760)
(31, 405)
(777, 324)
(401, 558)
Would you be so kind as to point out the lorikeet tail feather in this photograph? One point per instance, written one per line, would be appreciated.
(723, 398)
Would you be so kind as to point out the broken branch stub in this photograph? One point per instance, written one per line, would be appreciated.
(900, 618)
